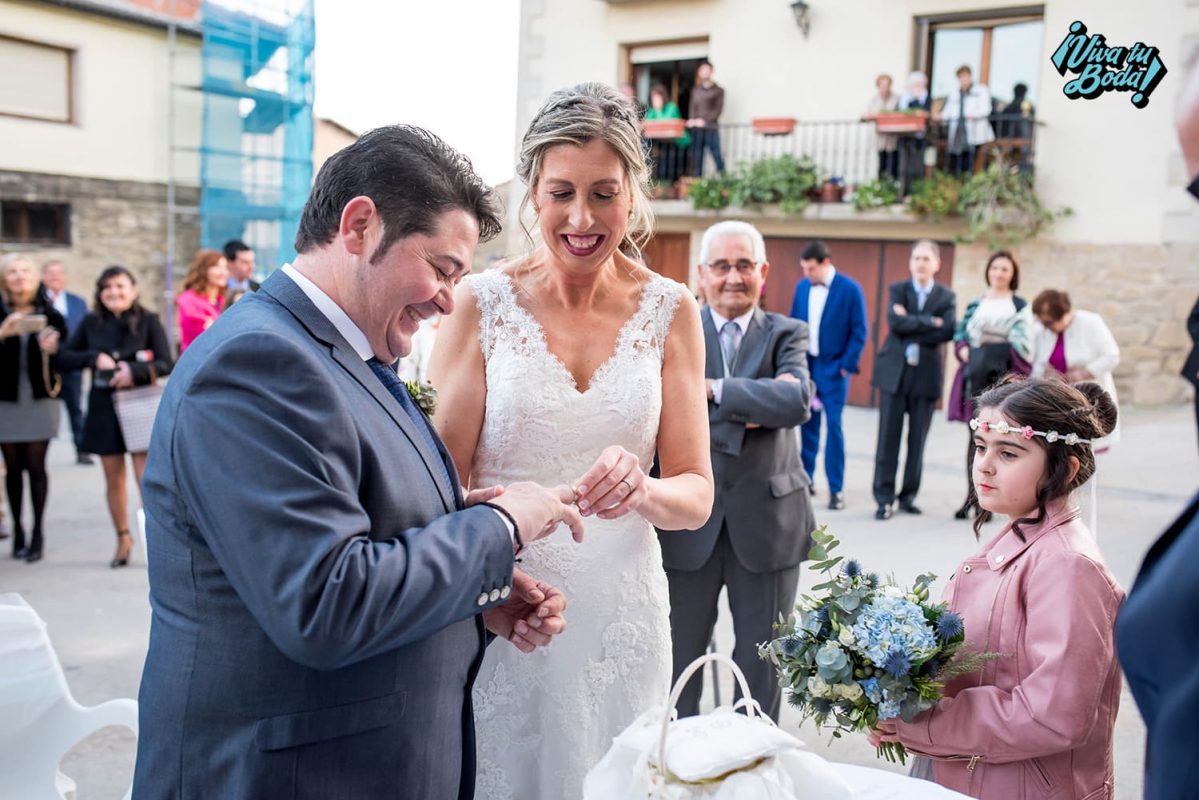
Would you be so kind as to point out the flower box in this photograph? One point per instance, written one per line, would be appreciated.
(901, 122)
(663, 128)
(774, 126)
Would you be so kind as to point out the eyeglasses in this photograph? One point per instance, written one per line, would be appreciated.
(744, 266)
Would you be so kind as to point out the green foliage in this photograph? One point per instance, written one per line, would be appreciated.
(883, 192)
(937, 196)
(709, 193)
(1001, 207)
(785, 180)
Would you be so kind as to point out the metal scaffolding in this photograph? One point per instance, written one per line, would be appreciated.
(253, 155)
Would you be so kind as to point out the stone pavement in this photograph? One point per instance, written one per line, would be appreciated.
(98, 618)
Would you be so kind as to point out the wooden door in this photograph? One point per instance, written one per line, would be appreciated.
(874, 264)
(669, 254)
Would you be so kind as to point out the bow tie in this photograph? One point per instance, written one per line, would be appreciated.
(819, 283)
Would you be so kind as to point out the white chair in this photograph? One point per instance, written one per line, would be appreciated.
(39, 719)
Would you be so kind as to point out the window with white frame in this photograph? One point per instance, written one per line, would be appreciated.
(35, 80)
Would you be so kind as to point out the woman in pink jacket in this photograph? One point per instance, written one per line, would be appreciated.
(1037, 721)
(203, 297)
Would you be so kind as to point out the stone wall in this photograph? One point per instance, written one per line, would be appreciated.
(1143, 292)
(112, 222)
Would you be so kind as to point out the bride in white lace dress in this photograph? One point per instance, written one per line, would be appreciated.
(576, 365)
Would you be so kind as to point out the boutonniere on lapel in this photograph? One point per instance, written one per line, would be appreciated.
(424, 395)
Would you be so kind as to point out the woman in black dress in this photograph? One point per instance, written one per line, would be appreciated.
(30, 336)
(125, 346)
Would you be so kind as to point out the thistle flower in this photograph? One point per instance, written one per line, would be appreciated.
(852, 568)
(898, 663)
(791, 646)
(949, 625)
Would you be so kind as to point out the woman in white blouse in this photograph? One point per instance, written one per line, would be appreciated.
(1075, 344)
(993, 338)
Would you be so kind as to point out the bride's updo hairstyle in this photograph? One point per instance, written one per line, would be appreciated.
(581, 114)
(1051, 404)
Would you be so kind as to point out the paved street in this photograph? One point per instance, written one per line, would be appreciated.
(98, 618)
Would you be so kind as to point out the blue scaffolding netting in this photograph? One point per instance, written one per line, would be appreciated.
(256, 145)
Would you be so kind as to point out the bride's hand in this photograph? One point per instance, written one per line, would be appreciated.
(614, 486)
(531, 617)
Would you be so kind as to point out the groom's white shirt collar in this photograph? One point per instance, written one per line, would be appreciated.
(333, 312)
(352, 334)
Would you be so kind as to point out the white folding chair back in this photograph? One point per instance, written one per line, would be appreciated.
(39, 719)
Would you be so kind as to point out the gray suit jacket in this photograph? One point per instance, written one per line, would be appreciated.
(315, 590)
(758, 473)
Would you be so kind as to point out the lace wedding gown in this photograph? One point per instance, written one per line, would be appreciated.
(545, 718)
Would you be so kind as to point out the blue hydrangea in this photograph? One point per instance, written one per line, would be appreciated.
(888, 709)
(892, 623)
(870, 686)
(949, 625)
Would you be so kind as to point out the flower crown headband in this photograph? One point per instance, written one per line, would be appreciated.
(1027, 432)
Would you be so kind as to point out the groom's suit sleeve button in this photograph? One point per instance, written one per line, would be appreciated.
(494, 596)
(505, 593)
(482, 600)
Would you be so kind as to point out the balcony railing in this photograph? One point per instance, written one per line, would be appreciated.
(851, 150)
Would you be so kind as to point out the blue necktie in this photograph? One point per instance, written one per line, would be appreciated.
(912, 351)
(393, 384)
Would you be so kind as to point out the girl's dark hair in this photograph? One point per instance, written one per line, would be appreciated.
(1050, 405)
(115, 271)
(1010, 256)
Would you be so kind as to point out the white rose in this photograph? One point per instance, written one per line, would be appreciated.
(850, 691)
(846, 636)
(817, 687)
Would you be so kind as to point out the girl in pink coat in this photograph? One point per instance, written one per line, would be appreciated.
(1037, 721)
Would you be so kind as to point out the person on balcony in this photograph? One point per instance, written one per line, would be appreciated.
(888, 143)
(967, 118)
(707, 103)
(667, 155)
(911, 147)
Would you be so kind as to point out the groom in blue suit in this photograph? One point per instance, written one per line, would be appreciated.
(321, 589)
(834, 307)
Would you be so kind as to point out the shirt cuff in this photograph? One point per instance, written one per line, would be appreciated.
(717, 390)
(507, 525)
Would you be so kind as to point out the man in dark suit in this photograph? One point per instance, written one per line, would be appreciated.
(73, 309)
(834, 307)
(909, 372)
(319, 584)
(758, 392)
(240, 259)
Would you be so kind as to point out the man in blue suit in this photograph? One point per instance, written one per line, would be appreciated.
(73, 309)
(834, 307)
(319, 584)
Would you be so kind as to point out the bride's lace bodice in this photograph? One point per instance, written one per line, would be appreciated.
(538, 426)
(545, 718)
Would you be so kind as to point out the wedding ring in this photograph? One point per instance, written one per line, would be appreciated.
(626, 483)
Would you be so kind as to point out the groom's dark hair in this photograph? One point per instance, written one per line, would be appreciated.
(412, 176)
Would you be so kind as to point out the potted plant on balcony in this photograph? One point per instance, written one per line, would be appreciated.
(774, 126)
(911, 121)
(663, 128)
(833, 190)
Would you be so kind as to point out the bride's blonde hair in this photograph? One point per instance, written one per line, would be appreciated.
(581, 114)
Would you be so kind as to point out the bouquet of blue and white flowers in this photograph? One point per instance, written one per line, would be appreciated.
(866, 650)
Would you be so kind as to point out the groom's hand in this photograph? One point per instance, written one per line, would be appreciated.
(538, 510)
(531, 617)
